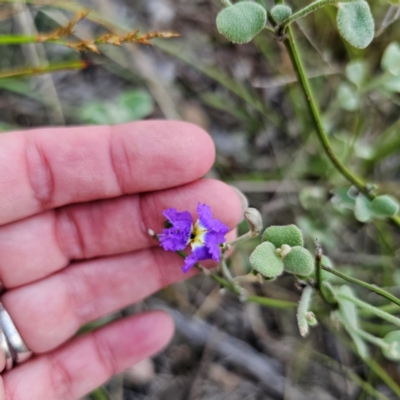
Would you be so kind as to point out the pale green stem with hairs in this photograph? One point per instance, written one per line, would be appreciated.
(309, 9)
(371, 339)
(366, 285)
(373, 310)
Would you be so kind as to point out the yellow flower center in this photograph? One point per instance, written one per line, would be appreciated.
(197, 237)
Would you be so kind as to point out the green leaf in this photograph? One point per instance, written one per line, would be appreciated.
(241, 22)
(347, 308)
(355, 23)
(356, 72)
(131, 105)
(329, 292)
(341, 198)
(362, 210)
(280, 235)
(280, 12)
(391, 59)
(348, 311)
(393, 340)
(265, 260)
(95, 113)
(392, 84)
(384, 206)
(299, 261)
(348, 97)
(137, 103)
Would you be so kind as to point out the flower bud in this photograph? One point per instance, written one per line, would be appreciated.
(280, 12)
(310, 318)
(254, 220)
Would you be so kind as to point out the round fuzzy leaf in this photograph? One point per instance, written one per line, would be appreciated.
(355, 23)
(362, 210)
(393, 340)
(265, 260)
(384, 206)
(391, 59)
(241, 22)
(286, 234)
(280, 12)
(299, 261)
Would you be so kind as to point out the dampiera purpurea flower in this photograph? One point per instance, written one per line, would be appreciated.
(204, 236)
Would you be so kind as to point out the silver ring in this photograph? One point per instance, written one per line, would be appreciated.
(8, 362)
(19, 350)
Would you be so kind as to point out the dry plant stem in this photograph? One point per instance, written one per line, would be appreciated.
(70, 65)
(318, 272)
(315, 114)
(373, 288)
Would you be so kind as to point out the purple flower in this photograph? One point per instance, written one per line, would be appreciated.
(205, 236)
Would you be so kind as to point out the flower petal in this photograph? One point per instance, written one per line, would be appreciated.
(198, 254)
(207, 220)
(177, 218)
(177, 236)
(212, 241)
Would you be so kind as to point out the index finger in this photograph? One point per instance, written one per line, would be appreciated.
(47, 168)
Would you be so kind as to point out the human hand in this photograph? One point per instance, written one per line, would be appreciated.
(75, 207)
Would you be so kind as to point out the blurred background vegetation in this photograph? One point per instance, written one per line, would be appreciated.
(247, 98)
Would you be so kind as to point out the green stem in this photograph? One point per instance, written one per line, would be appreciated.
(366, 285)
(388, 308)
(373, 310)
(264, 301)
(99, 394)
(22, 39)
(226, 3)
(309, 9)
(383, 375)
(315, 114)
(371, 339)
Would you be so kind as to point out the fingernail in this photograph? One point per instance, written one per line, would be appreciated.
(243, 199)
